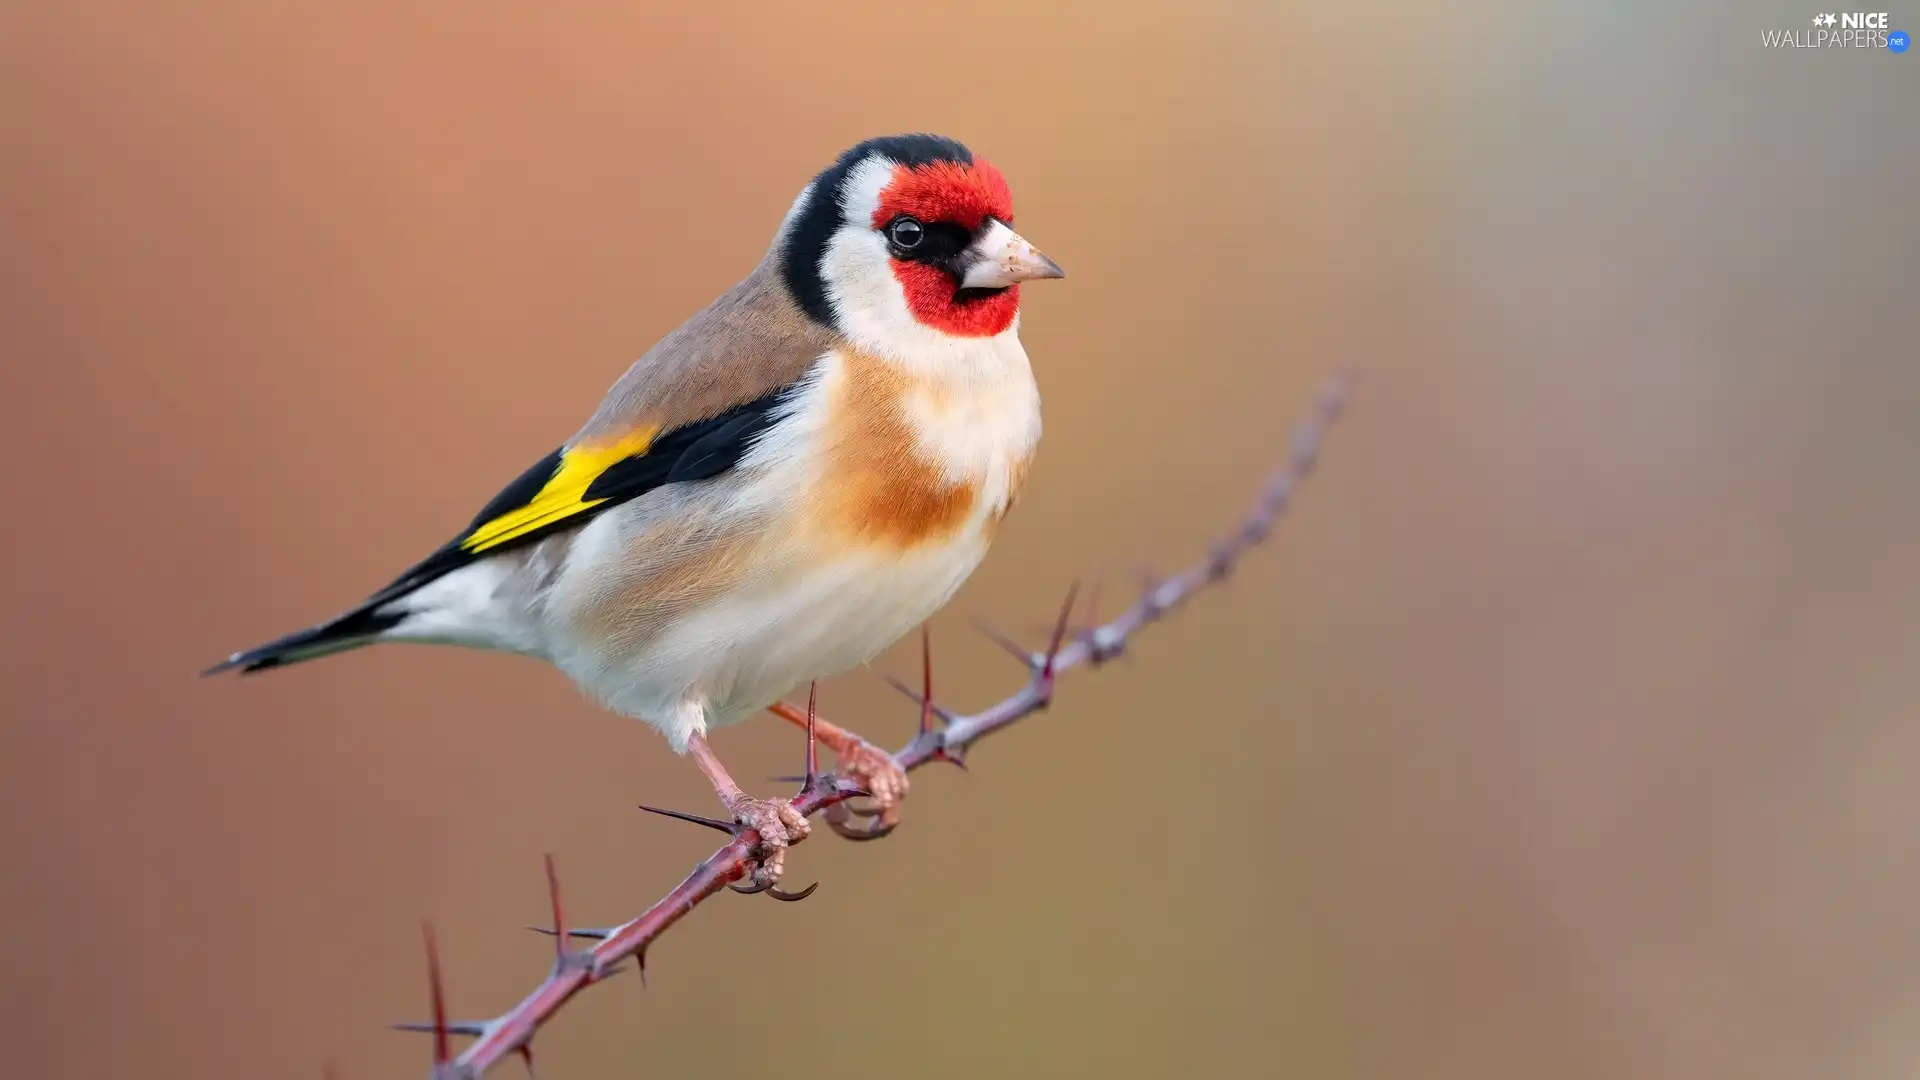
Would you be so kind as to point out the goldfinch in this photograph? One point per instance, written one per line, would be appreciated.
(796, 477)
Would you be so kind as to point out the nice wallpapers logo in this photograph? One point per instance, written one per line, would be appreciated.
(1844, 30)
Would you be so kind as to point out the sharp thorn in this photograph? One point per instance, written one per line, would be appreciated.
(711, 823)
(793, 897)
(597, 973)
(595, 932)
(436, 989)
(560, 935)
(926, 678)
(928, 710)
(906, 691)
(1060, 631)
(468, 1028)
(1007, 644)
(841, 785)
(813, 742)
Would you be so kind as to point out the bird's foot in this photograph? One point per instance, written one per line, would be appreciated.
(860, 764)
(874, 771)
(780, 826)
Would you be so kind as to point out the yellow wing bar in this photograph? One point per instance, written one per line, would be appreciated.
(564, 494)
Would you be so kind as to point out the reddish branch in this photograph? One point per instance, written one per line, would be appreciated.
(511, 1033)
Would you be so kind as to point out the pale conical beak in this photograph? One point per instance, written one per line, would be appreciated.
(1001, 257)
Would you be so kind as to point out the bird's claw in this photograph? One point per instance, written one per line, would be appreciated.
(793, 897)
(881, 778)
(778, 825)
(839, 818)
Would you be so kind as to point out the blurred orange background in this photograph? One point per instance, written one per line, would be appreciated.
(1566, 729)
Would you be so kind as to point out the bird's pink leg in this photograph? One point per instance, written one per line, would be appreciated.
(777, 822)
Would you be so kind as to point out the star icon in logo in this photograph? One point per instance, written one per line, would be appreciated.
(1829, 18)
(1824, 20)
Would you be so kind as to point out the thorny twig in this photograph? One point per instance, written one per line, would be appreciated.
(511, 1033)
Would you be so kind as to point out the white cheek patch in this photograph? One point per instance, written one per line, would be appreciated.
(857, 270)
(868, 300)
(867, 297)
(870, 305)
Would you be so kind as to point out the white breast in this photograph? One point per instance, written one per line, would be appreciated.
(808, 610)
(983, 430)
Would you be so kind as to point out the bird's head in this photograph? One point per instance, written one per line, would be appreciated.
(906, 236)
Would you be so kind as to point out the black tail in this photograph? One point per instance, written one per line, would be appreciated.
(361, 626)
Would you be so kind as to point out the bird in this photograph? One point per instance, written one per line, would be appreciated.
(789, 482)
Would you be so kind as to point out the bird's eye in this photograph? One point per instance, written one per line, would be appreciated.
(905, 232)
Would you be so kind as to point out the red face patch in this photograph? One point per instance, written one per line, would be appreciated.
(947, 191)
(966, 195)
